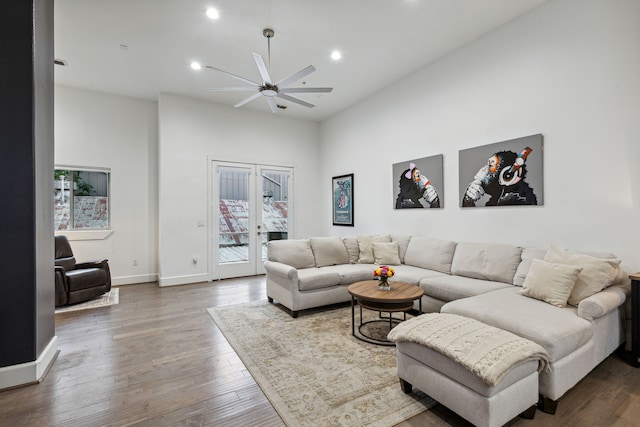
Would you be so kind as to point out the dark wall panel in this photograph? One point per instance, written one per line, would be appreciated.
(26, 161)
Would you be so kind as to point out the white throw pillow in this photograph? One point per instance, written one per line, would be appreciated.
(353, 250)
(386, 253)
(597, 273)
(550, 282)
(365, 243)
(528, 254)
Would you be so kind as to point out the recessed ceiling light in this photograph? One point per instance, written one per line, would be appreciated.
(196, 65)
(335, 55)
(213, 13)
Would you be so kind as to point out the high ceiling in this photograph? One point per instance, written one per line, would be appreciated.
(140, 48)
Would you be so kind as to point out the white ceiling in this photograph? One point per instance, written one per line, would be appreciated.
(381, 41)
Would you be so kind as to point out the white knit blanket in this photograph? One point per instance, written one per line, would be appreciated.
(486, 351)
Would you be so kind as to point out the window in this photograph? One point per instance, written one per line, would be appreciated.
(81, 199)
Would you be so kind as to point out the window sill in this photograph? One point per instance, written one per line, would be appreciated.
(85, 234)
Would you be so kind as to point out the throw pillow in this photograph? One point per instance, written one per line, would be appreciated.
(596, 272)
(403, 242)
(329, 251)
(353, 250)
(528, 254)
(550, 282)
(365, 243)
(386, 253)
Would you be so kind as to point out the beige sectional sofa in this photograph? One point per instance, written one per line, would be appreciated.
(483, 281)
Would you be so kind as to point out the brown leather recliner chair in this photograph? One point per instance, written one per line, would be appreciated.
(78, 282)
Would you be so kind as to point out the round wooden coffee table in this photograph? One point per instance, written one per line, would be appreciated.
(399, 299)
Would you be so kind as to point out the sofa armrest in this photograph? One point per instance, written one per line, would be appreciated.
(603, 302)
(280, 269)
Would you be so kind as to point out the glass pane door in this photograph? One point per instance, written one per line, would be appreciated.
(274, 195)
(236, 238)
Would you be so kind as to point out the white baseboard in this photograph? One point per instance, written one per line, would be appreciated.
(29, 372)
(183, 280)
(130, 280)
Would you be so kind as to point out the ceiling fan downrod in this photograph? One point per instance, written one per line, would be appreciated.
(268, 33)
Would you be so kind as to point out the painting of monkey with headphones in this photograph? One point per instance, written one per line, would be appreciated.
(510, 173)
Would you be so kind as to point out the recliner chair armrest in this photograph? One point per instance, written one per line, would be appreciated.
(104, 264)
(93, 264)
(62, 290)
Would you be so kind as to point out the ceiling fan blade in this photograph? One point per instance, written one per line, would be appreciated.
(232, 89)
(264, 73)
(248, 99)
(306, 90)
(272, 104)
(234, 76)
(295, 77)
(296, 100)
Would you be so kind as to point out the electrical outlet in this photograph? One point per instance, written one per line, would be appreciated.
(135, 262)
(195, 259)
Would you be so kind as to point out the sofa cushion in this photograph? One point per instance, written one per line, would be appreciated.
(317, 278)
(296, 253)
(413, 275)
(596, 274)
(432, 254)
(550, 282)
(351, 273)
(329, 251)
(487, 261)
(365, 243)
(353, 250)
(403, 243)
(559, 330)
(386, 253)
(449, 288)
(528, 254)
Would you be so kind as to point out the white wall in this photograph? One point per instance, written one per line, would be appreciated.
(98, 130)
(569, 70)
(192, 131)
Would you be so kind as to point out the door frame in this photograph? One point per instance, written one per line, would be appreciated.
(213, 192)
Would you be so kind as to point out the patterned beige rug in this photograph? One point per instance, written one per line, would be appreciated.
(110, 298)
(313, 371)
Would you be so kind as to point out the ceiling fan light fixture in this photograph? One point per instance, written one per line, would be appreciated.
(212, 13)
(269, 92)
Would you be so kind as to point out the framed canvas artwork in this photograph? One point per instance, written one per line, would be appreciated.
(506, 173)
(418, 183)
(342, 195)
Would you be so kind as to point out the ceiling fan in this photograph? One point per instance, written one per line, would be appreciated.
(268, 88)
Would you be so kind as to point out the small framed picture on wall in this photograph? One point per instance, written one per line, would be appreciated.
(342, 203)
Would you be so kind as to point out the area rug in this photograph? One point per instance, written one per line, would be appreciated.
(313, 371)
(110, 298)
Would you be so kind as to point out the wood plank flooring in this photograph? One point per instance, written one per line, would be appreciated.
(157, 359)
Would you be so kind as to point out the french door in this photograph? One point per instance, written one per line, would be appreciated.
(251, 204)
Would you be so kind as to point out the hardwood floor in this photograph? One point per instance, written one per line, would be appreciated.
(158, 359)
